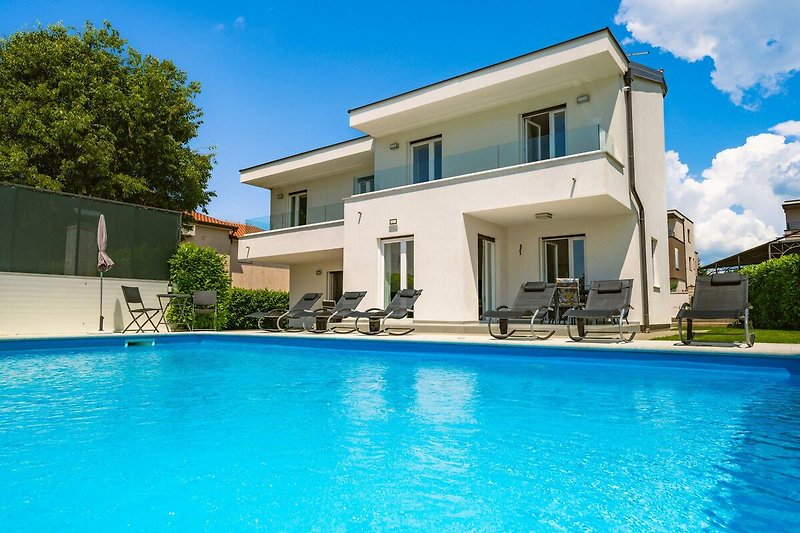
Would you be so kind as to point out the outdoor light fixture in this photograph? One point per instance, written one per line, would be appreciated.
(394, 146)
(392, 221)
(543, 216)
(319, 272)
(582, 99)
(280, 195)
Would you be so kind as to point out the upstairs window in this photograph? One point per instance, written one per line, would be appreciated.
(298, 208)
(545, 134)
(426, 160)
(677, 258)
(364, 185)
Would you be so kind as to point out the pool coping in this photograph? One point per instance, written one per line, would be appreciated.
(782, 356)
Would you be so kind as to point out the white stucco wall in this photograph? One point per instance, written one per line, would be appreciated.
(43, 304)
(304, 278)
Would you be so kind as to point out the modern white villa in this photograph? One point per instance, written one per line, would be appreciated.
(544, 166)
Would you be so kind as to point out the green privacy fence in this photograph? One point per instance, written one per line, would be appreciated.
(43, 232)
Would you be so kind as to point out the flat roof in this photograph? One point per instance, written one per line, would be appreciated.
(679, 214)
(307, 152)
(493, 65)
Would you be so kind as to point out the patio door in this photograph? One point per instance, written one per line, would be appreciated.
(335, 284)
(398, 266)
(545, 134)
(298, 208)
(487, 274)
(564, 257)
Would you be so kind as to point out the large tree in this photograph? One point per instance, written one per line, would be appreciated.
(83, 112)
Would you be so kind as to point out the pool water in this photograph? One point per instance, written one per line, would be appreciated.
(231, 435)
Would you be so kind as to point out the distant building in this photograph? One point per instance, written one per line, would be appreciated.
(223, 236)
(683, 258)
(789, 243)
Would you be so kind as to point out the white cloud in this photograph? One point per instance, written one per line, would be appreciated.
(736, 202)
(239, 23)
(754, 44)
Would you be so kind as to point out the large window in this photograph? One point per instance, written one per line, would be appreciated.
(545, 134)
(365, 185)
(565, 257)
(426, 160)
(398, 266)
(298, 208)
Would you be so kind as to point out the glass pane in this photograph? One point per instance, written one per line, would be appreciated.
(293, 210)
(551, 256)
(303, 210)
(409, 265)
(560, 133)
(537, 129)
(563, 258)
(437, 160)
(421, 162)
(579, 259)
(391, 270)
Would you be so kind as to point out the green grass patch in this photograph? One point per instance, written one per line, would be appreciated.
(724, 334)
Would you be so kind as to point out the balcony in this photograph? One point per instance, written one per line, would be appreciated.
(545, 147)
(313, 215)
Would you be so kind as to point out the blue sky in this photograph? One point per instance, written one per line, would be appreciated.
(279, 78)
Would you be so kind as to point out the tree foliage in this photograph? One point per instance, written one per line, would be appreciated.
(83, 112)
(200, 268)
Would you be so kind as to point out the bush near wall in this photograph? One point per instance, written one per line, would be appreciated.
(199, 268)
(245, 301)
(775, 293)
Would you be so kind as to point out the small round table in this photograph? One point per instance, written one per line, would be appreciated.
(174, 299)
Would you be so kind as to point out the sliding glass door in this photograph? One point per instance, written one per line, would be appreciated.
(398, 266)
(487, 277)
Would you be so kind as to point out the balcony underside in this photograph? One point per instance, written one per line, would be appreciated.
(296, 245)
(568, 208)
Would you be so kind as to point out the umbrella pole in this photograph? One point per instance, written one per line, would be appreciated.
(101, 300)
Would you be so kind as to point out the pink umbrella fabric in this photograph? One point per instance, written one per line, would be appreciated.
(104, 262)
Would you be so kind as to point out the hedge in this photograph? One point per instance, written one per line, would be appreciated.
(775, 292)
(245, 301)
(200, 268)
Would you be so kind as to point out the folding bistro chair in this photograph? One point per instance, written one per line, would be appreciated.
(568, 296)
(717, 297)
(141, 315)
(204, 303)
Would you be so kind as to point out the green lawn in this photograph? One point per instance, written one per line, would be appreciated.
(723, 334)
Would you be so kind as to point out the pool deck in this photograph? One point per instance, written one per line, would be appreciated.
(760, 349)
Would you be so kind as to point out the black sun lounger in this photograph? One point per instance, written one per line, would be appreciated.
(320, 320)
(717, 297)
(280, 317)
(400, 307)
(534, 301)
(609, 303)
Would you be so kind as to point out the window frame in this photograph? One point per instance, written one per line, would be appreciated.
(430, 143)
(294, 217)
(364, 179)
(570, 248)
(404, 240)
(551, 112)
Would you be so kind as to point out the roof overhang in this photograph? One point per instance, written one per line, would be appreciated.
(575, 62)
(341, 157)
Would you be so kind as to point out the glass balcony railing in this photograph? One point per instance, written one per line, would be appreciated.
(569, 142)
(312, 215)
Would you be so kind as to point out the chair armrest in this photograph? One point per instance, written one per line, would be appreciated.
(502, 307)
(686, 305)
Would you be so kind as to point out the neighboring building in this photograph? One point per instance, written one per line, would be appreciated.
(683, 257)
(789, 243)
(468, 187)
(224, 236)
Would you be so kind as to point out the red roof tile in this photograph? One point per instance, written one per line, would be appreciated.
(237, 228)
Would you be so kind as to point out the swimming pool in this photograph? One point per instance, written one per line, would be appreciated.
(212, 432)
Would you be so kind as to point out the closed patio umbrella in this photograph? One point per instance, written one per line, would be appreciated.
(104, 263)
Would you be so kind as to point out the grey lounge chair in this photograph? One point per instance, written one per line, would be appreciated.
(204, 303)
(320, 320)
(141, 313)
(719, 296)
(608, 302)
(281, 317)
(534, 301)
(401, 306)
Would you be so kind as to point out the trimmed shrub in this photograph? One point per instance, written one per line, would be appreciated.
(245, 301)
(199, 268)
(775, 292)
